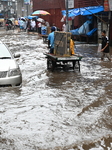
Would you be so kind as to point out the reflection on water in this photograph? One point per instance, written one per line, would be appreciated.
(56, 110)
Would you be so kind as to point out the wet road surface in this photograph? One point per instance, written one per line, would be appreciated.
(60, 110)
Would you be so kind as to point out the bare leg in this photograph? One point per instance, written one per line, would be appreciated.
(102, 56)
(108, 56)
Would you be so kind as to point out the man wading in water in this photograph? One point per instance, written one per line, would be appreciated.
(105, 46)
(51, 40)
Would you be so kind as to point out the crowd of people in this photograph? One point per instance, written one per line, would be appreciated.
(30, 25)
(25, 24)
(33, 25)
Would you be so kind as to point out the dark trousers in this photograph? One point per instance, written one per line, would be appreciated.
(39, 30)
(51, 50)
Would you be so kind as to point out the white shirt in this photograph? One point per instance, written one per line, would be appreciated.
(64, 28)
(33, 24)
(47, 24)
(39, 24)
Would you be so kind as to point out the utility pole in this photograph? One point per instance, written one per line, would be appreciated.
(22, 8)
(109, 19)
(27, 9)
(67, 26)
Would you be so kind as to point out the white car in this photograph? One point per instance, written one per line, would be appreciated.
(10, 74)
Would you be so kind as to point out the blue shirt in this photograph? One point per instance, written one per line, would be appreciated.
(51, 39)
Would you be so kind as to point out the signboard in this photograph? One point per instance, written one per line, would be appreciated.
(27, 2)
(22, 9)
(1, 7)
(110, 4)
(12, 11)
(70, 3)
(106, 5)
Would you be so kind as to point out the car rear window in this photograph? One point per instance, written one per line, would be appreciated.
(4, 51)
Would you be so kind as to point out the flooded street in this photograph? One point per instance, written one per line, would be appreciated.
(60, 110)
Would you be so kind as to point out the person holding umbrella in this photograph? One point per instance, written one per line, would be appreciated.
(39, 27)
(40, 13)
(51, 40)
(47, 24)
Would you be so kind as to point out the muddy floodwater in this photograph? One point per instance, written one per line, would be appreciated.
(60, 110)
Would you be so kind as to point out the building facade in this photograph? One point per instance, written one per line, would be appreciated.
(55, 8)
(15, 8)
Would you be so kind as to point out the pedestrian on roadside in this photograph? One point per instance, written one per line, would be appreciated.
(28, 27)
(72, 45)
(33, 25)
(105, 46)
(54, 26)
(64, 27)
(43, 29)
(21, 24)
(16, 23)
(47, 23)
(51, 40)
(25, 24)
(39, 27)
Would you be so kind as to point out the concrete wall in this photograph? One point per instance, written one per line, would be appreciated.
(55, 7)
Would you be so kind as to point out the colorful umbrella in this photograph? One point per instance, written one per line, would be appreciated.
(40, 12)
